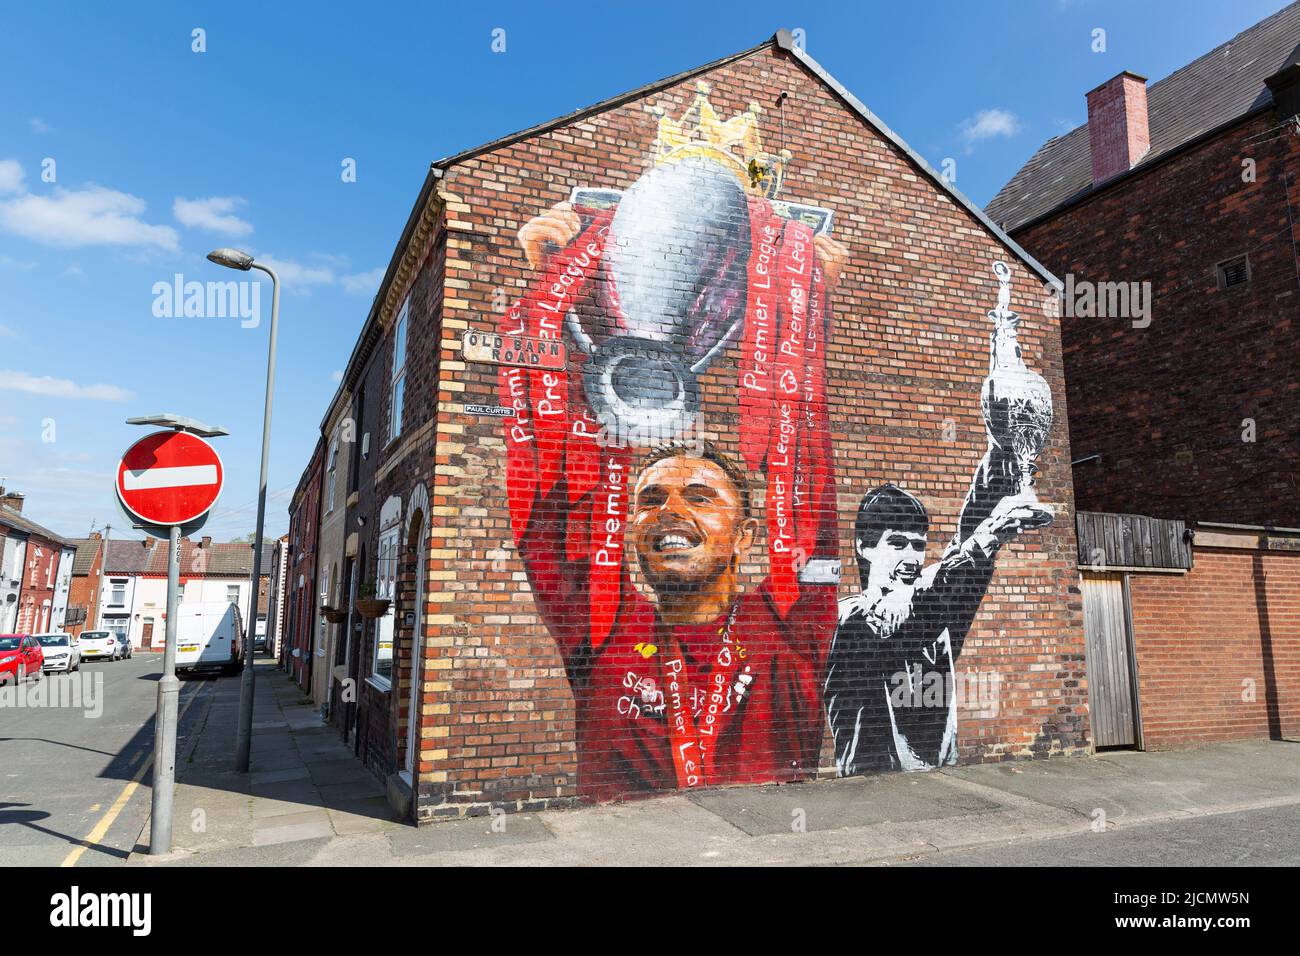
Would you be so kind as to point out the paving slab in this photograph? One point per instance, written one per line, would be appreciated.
(837, 804)
(298, 772)
(1129, 784)
(339, 770)
(471, 834)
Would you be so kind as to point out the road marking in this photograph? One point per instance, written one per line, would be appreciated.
(101, 828)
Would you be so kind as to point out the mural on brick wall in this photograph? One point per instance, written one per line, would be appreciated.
(891, 689)
(695, 679)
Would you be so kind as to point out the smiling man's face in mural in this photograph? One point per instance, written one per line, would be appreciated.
(895, 559)
(690, 528)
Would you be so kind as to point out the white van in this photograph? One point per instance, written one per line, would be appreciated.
(209, 637)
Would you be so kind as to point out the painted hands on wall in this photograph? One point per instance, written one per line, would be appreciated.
(1012, 515)
(557, 227)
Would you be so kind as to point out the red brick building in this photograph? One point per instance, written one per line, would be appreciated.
(1170, 220)
(87, 576)
(302, 601)
(37, 571)
(698, 441)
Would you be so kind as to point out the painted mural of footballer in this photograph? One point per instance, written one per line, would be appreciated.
(890, 685)
(699, 681)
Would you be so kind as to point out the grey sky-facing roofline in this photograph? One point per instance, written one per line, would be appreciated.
(782, 40)
(785, 41)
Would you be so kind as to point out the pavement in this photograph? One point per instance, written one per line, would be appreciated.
(303, 783)
(309, 801)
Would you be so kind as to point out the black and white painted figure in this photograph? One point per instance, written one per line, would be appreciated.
(890, 684)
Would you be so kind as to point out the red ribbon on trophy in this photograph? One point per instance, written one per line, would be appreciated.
(783, 412)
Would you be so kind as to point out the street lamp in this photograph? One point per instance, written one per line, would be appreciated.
(236, 259)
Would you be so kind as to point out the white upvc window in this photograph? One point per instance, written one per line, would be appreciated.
(381, 665)
(330, 474)
(397, 391)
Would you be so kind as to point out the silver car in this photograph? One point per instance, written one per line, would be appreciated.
(62, 652)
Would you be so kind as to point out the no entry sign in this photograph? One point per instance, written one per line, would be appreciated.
(169, 478)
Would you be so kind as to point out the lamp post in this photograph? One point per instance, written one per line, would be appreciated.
(235, 259)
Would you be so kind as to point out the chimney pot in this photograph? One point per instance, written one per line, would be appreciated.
(1117, 125)
(206, 542)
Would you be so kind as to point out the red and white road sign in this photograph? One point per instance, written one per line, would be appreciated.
(169, 478)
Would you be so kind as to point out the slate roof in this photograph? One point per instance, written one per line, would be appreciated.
(87, 551)
(24, 525)
(1223, 86)
(132, 556)
(228, 559)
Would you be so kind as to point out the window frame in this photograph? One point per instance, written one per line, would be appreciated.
(331, 472)
(397, 376)
(386, 558)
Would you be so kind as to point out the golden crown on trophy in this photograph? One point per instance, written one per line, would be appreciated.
(734, 143)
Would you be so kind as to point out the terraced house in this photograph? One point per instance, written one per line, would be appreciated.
(703, 436)
(1181, 197)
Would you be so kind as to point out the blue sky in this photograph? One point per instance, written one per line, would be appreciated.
(162, 153)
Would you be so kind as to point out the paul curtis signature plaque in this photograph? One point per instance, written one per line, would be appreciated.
(519, 350)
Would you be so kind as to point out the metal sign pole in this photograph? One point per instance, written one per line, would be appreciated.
(169, 688)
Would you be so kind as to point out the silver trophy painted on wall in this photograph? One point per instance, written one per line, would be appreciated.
(1016, 400)
(675, 270)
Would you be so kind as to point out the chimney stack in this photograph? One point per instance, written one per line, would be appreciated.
(1117, 125)
(206, 542)
(11, 499)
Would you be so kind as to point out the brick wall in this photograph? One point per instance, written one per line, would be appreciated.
(907, 356)
(1166, 406)
(1218, 649)
(84, 593)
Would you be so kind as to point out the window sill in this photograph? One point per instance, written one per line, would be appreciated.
(380, 683)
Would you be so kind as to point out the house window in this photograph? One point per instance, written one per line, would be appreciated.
(398, 389)
(1233, 272)
(119, 594)
(232, 593)
(385, 589)
(333, 467)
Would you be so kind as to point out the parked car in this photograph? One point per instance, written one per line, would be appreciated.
(62, 651)
(20, 657)
(99, 645)
(124, 646)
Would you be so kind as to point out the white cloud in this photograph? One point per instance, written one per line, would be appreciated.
(302, 277)
(11, 176)
(60, 387)
(989, 123)
(39, 126)
(336, 375)
(213, 214)
(296, 274)
(91, 216)
(7, 333)
(363, 283)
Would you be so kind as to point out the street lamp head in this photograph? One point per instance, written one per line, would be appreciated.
(231, 259)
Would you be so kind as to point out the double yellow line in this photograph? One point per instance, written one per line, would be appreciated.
(100, 829)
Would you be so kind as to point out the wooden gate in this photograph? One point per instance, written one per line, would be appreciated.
(1112, 675)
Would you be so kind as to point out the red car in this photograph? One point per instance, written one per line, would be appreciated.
(20, 657)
